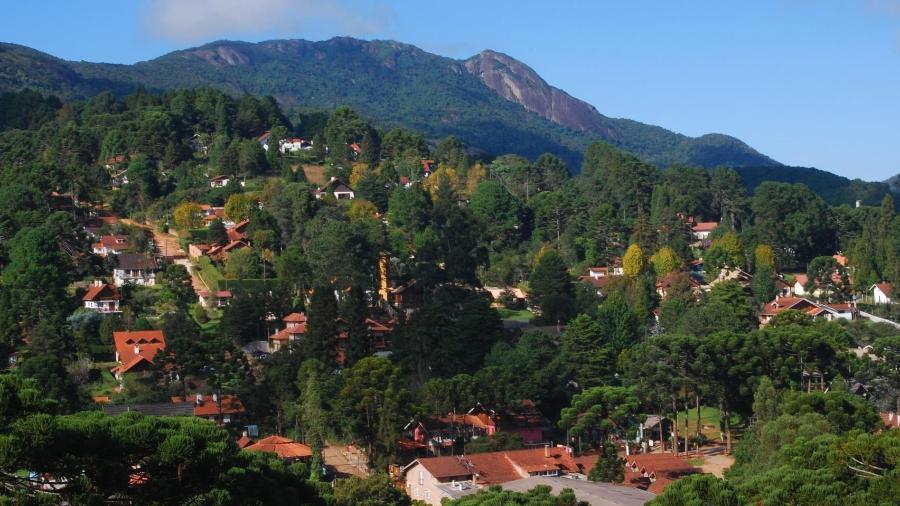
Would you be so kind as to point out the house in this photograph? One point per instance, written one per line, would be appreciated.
(111, 245)
(813, 309)
(881, 293)
(222, 409)
(211, 214)
(665, 283)
(284, 448)
(217, 299)
(598, 277)
(703, 229)
(135, 350)
(336, 188)
(355, 150)
(222, 252)
(435, 478)
(263, 139)
(799, 287)
(197, 250)
(428, 167)
(102, 298)
(219, 181)
(293, 331)
(294, 145)
(890, 420)
(406, 297)
(238, 232)
(135, 269)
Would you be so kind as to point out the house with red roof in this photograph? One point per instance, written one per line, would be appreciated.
(136, 350)
(111, 245)
(222, 409)
(813, 309)
(217, 299)
(881, 293)
(102, 298)
(293, 331)
(701, 230)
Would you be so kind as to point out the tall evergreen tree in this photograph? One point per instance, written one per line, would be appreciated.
(322, 330)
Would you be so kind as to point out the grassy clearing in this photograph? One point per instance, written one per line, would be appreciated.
(709, 422)
(315, 174)
(522, 315)
(208, 272)
(107, 383)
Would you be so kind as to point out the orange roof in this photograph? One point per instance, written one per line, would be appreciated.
(295, 318)
(137, 346)
(784, 303)
(102, 292)
(884, 287)
(501, 467)
(227, 405)
(891, 420)
(244, 442)
(115, 242)
(283, 447)
(705, 226)
(665, 466)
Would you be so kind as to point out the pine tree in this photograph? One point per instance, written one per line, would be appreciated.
(321, 334)
(359, 343)
(609, 467)
(551, 289)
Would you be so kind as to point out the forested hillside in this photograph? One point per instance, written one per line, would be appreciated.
(350, 283)
(392, 83)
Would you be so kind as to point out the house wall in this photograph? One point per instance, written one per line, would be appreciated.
(422, 486)
(879, 296)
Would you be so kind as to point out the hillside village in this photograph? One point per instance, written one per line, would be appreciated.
(326, 301)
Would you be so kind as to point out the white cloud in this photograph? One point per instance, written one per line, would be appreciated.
(201, 20)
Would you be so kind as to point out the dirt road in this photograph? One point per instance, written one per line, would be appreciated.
(346, 461)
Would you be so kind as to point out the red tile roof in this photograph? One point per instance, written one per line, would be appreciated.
(136, 347)
(884, 287)
(705, 226)
(501, 467)
(283, 447)
(102, 292)
(664, 467)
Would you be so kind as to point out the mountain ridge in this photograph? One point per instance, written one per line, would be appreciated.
(491, 100)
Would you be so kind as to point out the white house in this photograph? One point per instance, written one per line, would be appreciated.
(702, 230)
(336, 188)
(881, 293)
(135, 269)
(102, 298)
(294, 145)
(111, 245)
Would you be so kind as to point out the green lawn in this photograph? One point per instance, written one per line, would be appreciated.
(208, 272)
(709, 421)
(107, 384)
(522, 315)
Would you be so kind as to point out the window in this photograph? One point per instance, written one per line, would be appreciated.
(416, 492)
(421, 478)
(427, 494)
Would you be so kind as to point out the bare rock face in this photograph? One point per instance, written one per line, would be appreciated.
(519, 83)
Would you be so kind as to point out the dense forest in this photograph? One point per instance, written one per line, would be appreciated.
(673, 333)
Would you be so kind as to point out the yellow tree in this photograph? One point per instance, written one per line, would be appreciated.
(238, 207)
(665, 261)
(764, 255)
(443, 175)
(361, 210)
(359, 170)
(476, 174)
(633, 261)
(187, 215)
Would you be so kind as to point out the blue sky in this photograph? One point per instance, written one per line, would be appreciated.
(807, 82)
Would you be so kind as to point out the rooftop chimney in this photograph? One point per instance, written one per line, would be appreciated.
(547, 451)
(199, 398)
(215, 397)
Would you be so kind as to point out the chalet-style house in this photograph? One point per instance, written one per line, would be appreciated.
(222, 252)
(703, 229)
(102, 298)
(881, 293)
(135, 269)
(238, 232)
(111, 245)
(219, 181)
(217, 299)
(136, 350)
(337, 189)
(222, 409)
(813, 309)
(406, 298)
(285, 449)
(293, 331)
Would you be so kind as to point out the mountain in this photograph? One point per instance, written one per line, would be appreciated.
(490, 101)
(834, 189)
